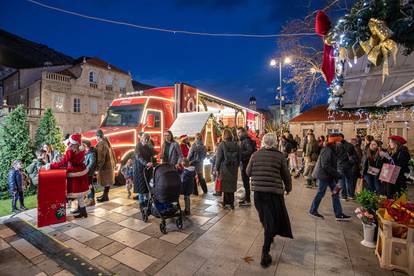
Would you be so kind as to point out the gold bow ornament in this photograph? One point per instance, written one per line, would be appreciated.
(380, 46)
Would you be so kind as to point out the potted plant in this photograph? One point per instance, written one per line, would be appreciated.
(368, 223)
(370, 202)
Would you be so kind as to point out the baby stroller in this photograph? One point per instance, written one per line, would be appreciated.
(164, 192)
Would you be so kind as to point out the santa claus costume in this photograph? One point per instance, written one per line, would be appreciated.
(77, 173)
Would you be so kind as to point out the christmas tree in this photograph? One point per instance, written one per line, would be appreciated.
(48, 132)
(15, 143)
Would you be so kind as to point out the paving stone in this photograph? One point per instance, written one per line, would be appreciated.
(6, 232)
(3, 244)
(12, 238)
(106, 228)
(124, 270)
(65, 226)
(115, 217)
(134, 259)
(39, 259)
(99, 212)
(123, 201)
(184, 244)
(129, 237)
(13, 263)
(89, 221)
(49, 267)
(98, 242)
(59, 236)
(112, 248)
(82, 249)
(109, 205)
(105, 262)
(155, 247)
(81, 234)
(174, 237)
(155, 267)
(63, 273)
(26, 248)
(134, 224)
(153, 230)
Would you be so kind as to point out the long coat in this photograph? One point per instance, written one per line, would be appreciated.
(77, 173)
(228, 174)
(105, 163)
(143, 155)
(175, 156)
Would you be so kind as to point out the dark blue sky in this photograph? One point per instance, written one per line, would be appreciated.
(235, 68)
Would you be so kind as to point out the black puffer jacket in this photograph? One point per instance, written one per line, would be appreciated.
(247, 148)
(346, 156)
(268, 171)
(325, 168)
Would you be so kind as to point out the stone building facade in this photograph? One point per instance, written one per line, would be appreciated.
(79, 94)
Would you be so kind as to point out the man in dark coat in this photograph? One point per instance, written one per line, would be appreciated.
(144, 155)
(346, 159)
(327, 175)
(196, 157)
(247, 148)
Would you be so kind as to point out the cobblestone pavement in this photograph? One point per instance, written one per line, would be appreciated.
(213, 242)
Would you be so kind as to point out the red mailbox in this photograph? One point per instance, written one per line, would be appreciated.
(51, 197)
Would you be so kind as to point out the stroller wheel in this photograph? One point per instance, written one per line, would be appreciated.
(163, 227)
(179, 223)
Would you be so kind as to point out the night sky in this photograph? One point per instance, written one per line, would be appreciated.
(234, 68)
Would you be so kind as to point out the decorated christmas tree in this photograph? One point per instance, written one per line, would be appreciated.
(15, 143)
(48, 132)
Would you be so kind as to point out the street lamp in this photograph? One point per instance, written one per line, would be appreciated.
(278, 62)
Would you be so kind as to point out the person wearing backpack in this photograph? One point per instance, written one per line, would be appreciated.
(247, 148)
(227, 165)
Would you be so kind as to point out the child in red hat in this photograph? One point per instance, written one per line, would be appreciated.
(77, 173)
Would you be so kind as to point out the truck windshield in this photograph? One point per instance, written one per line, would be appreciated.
(129, 115)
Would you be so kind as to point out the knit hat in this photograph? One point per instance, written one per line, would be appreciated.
(399, 139)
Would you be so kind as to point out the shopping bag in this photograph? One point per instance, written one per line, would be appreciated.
(373, 171)
(218, 185)
(359, 185)
(389, 173)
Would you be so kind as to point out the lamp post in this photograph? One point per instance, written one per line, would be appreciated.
(274, 63)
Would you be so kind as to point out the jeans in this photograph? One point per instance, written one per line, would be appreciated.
(17, 195)
(143, 199)
(374, 184)
(246, 181)
(323, 184)
(202, 182)
(347, 183)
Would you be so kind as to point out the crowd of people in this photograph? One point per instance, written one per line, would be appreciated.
(329, 161)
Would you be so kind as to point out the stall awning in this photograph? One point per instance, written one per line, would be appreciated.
(190, 123)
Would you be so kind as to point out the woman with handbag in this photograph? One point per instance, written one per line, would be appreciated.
(398, 156)
(371, 166)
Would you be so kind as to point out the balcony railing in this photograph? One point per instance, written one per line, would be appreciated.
(56, 77)
(32, 112)
(93, 85)
(109, 88)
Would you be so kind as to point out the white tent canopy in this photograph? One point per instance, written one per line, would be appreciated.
(190, 123)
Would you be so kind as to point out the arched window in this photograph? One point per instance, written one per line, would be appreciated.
(92, 77)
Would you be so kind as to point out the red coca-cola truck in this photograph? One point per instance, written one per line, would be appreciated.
(159, 109)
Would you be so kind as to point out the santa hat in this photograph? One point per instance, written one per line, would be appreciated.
(76, 139)
(184, 136)
(399, 139)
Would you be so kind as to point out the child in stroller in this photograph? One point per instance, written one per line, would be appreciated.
(164, 192)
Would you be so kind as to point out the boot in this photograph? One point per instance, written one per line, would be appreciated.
(77, 211)
(309, 183)
(187, 206)
(104, 197)
(82, 213)
(266, 260)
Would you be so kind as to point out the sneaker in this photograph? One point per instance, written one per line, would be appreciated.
(351, 198)
(22, 208)
(15, 211)
(316, 215)
(343, 218)
(344, 199)
(244, 203)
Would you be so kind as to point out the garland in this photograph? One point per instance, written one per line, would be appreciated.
(374, 28)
